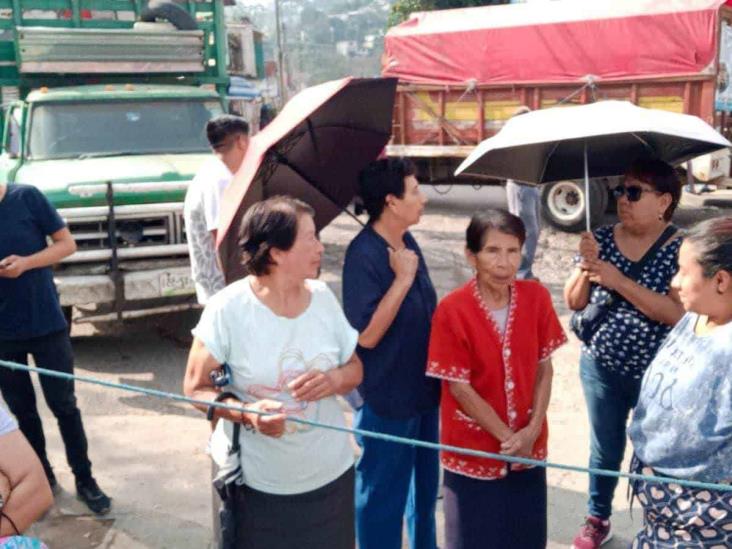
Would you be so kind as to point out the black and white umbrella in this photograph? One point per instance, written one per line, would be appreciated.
(594, 140)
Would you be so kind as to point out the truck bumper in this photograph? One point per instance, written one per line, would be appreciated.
(77, 290)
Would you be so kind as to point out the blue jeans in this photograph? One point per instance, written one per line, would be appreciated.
(394, 480)
(610, 397)
(525, 202)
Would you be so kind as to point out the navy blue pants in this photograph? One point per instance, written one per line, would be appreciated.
(395, 480)
(52, 352)
(610, 397)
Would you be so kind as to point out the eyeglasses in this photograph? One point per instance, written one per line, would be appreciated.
(633, 192)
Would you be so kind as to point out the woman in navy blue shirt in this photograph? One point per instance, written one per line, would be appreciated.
(389, 298)
(32, 323)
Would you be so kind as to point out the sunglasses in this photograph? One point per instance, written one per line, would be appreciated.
(633, 192)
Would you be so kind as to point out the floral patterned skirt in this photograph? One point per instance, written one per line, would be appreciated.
(681, 518)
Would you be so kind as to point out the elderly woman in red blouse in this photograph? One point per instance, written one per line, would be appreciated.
(491, 344)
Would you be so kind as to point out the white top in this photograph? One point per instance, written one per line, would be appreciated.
(201, 213)
(265, 352)
(7, 423)
(500, 316)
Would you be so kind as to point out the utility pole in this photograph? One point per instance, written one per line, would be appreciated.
(280, 57)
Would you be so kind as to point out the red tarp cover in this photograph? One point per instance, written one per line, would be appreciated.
(555, 41)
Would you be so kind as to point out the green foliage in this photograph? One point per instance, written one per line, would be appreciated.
(401, 9)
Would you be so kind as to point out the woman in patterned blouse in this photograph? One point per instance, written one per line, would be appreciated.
(644, 310)
(491, 345)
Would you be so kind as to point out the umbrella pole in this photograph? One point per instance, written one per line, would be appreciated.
(587, 193)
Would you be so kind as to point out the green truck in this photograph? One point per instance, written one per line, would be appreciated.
(104, 108)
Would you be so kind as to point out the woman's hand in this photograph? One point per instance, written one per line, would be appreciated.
(404, 263)
(603, 273)
(589, 249)
(4, 487)
(272, 424)
(315, 384)
(521, 443)
(13, 266)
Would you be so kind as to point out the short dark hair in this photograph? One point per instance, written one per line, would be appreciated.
(220, 128)
(661, 176)
(492, 219)
(379, 179)
(712, 240)
(269, 224)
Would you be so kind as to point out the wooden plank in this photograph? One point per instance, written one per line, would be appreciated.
(430, 151)
(403, 117)
(481, 116)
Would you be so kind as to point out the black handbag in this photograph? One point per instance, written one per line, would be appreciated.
(227, 489)
(586, 322)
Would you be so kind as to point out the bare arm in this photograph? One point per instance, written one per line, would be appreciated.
(666, 309)
(197, 384)
(542, 395)
(63, 246)
(385, 314)
(404, 263)
(577, 290)
(577, 287)
(30, 495)
(482, 412)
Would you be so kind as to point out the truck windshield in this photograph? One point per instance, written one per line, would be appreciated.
(73, 130)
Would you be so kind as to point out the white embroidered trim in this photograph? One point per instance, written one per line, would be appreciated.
(482, 472)
(462, 467)
(552, 346)
(450, 373)
(509, 385)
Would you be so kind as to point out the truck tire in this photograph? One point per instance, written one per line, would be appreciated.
(169, 11)
(563, 204)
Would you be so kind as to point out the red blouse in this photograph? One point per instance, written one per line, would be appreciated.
(466, 346)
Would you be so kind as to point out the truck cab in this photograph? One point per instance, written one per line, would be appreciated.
(142, 143)
(105, 113)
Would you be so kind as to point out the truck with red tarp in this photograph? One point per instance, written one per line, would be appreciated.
(464, 72)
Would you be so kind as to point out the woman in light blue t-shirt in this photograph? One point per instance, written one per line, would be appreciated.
(289, 351)
(682, 426)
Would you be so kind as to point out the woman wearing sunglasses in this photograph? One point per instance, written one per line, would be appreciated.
(640, 309)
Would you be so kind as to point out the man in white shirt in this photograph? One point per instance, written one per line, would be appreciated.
(228, 136)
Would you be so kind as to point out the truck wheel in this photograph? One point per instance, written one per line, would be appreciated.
(168, 11)
(563, 204)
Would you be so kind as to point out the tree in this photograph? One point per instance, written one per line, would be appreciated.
(401, 9)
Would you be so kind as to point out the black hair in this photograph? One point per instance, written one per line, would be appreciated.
(269, 224)
(662, 177)
(220, 128)
(382, 178)
(492, 219)
(712, 240)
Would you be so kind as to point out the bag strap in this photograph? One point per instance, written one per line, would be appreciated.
(636, 270)
(237, 426)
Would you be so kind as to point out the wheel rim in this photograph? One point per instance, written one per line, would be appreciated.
(566, 201)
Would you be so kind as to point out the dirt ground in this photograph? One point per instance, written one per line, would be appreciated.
(148, 454)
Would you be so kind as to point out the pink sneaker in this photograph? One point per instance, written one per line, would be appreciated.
(594, 533)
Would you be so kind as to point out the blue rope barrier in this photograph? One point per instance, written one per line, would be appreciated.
(376, 435)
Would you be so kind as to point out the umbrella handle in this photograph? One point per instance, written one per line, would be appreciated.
(587, 193)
